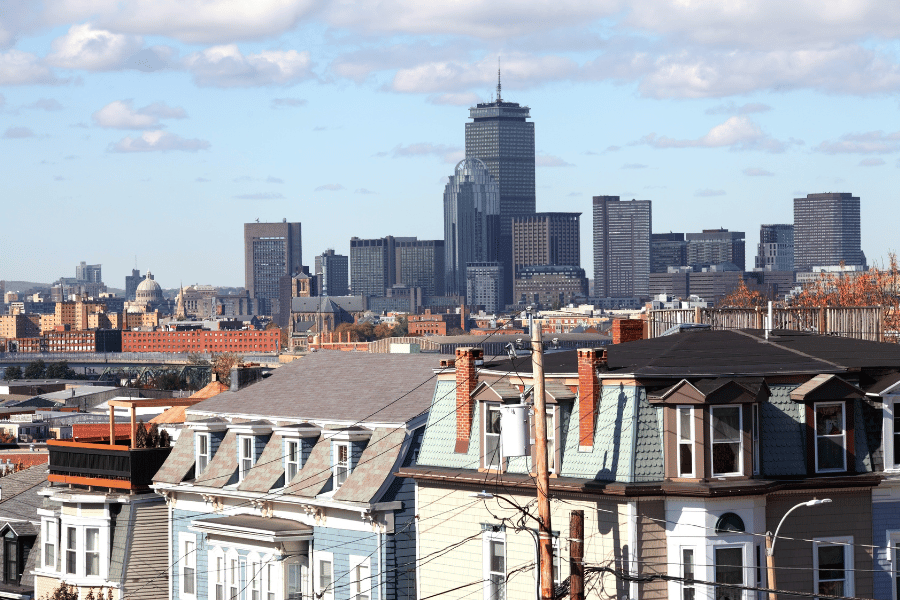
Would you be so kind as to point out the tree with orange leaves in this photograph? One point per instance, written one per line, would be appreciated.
(743, 297)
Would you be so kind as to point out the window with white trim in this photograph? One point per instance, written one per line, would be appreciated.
(831, 436)
(246, 443)
(894, 433)
(361, 587)
(493, 456)
(233, 578)
(255, 576)
(551, 438)
(202, 453)
(754, 433)
(688, 574)
(71, 550)
(685, 423)
(92, 551)
(341, 464)
(50, 536)
(725, 433)
(729, 569)
(893, 550)
(188, 565)
(833, 566)
(325, 575)
(292, 461)
(494, 552)
(557, 561)
(294, 581)
(270, 579)
(218, 578)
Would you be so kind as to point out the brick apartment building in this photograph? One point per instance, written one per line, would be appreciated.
(432, 324)
(62, 340)
(202, 341)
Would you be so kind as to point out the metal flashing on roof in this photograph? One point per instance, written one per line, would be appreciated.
(826, 386)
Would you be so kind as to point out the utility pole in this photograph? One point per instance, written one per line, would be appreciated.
(545, 534)
(770, 566)
(576, 555)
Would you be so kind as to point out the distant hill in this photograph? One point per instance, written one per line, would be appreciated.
(24, 286)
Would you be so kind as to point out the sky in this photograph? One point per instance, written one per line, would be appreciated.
(144, 133)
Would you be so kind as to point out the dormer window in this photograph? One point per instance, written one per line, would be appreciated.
(341, 463)
(493, 456)
(202, 452)
(246, 449)
(292, 460)
(725, 425)
(831, 437)
(685, 421)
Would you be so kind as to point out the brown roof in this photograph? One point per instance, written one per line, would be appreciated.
(170, 415)
(211, 389)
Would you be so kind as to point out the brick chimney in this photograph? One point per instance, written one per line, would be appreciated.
(589, 359)
(466, 381)
(627, 330)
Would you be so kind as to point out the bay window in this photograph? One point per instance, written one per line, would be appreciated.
(726, 436)
(71, 550)
(92, 551)
(49, 537)
(729, 569)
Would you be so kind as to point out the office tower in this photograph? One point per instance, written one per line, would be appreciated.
(549, 286)
(378, 264)
(667, 250)
(716, 246)
(775, 251)
(88, 273)
(546, 239)
(827, 231)
(621, 247)
(502, 137)
(483, 285)
(333, 273)
(271, 250)
(471, 222)
(131, 283)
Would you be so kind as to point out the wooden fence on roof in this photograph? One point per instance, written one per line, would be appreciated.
(861, 322)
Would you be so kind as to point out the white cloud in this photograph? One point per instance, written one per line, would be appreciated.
(737, 133)
(20, 68)
(757, 172)
(121, 115)
(871, 162)
(872, 142)
(226, 66)
(84, 47)
(48, 104)
(158, 141)
(548, 160)
(15, 133)
(455, 99)
(449, 154)
(330, 187)
(705, 193)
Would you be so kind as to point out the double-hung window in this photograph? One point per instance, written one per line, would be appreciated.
(233, 579)
(92, 551)
(685, 422)
(49, 537)
(493, 458)
(189, 567)
(833, 566)
(202, 453)
(294, 591)
(831, 436)
(341, 464)
(292, 461)
(754, 432)
(246, 455)
(729, 570)
(255, 575)
(495, 565)
(219, 578)
(725, 425)
(326, 578)
(71, 550)
(270, 580)
(688, 574)
(362, 580)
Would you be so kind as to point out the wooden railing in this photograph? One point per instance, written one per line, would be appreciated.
(104, 465)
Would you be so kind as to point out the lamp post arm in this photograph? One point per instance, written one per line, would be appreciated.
(771, 551)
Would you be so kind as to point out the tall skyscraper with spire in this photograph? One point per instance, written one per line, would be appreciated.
(502, 137)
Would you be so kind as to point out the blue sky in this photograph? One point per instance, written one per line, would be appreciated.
(148, 131)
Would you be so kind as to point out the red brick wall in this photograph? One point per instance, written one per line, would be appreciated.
(466, 381)
(82, 431)
(28, 459)
(202, 341)
(588, 392)
(627, 330)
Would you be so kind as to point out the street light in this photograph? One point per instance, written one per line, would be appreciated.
(771, 539)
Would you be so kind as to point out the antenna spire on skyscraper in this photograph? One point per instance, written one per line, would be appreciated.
(498, 80)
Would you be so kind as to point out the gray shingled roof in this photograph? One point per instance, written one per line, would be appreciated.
(223, 465)
(335, 386)
(375, 466)
(783, 433)
(315, 476)
(19, 497)
(179, 462)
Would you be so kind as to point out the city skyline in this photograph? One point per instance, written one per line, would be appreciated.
(161, 132)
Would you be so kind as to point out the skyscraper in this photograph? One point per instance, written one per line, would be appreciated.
(131, 283)
(502, 137)
(88, 273)
(471, 222)
(621, 247)
(271, 250)
(715, 246)
(827, 231)
(775, 251)
(667, 250)
(333, 273)
(549, 238)
(378, 264)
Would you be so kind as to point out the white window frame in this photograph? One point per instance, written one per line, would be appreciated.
(688, 589)
(302, 570)
(552, 427)
(233, 575)
(744, 548)
(893, 559)
(291, 460)
(50, 543)
(487, 538)
(202, 458)
(690, 441)
(890, 412)
(92, 550)
(245, 461)
(340, 466)
(755, 427)
(325, 588)
(740, 442)
(843, 435)
(71, 550)
(254, 577)
(361, 578)
(847, 546)
(485, 459)
(270, 580)
(218, 570)
(187, 547)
